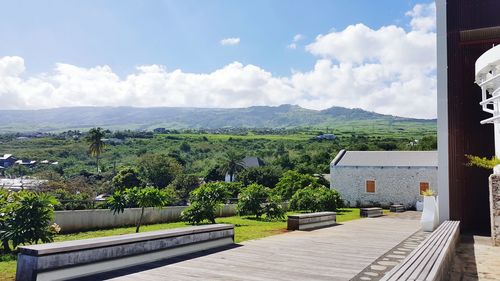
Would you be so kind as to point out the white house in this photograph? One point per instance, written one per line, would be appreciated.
(367, 178)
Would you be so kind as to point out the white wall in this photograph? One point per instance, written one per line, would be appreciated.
(399, 185)
(81, 220)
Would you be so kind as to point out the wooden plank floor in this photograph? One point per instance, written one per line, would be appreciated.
(334, 253)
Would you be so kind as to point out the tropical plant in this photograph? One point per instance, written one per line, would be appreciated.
(29, 218)
(292, 181)
(158, 170)
(139, 197)
(183, 184)
(482, 162)
(205, 201)
(315, 199)
(96, 144)
(251, 200)
(127, 177)
(273, 209)
(4, 215)
(428, 192)
(233, 163)
(265, 175)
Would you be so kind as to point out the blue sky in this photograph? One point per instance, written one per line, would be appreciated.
(186, 35)
(179, 34)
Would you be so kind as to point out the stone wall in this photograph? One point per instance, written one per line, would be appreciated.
(392, 184)
(495, 208)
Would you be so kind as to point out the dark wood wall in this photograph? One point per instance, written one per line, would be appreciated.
(469, 197)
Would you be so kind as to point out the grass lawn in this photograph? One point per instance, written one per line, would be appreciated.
(246, 228)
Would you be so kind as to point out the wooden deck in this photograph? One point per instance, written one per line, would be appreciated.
(334, 253)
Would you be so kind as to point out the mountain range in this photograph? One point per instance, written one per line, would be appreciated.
(283, 116)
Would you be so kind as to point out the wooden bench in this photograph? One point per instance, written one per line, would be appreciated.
(397, 208)
(311, 221)
(71, 259)
(370, 212)
(431, 260)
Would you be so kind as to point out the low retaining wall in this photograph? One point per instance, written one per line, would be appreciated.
(81, 220)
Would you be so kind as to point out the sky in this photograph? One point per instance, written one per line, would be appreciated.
(375, 55)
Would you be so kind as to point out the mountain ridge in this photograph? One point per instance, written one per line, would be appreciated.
(127, 117)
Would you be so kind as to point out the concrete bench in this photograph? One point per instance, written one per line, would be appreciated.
(71, 259)
(370, 212)
(311, 221)
(431, 260)
(397, 208)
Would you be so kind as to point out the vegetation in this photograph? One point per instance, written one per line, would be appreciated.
(482, 162)
(252, 199)
(96, 144)
(316, 199)
(205, 200)
(25, 218)
(233, 164)
(293, 181)
(141, 198)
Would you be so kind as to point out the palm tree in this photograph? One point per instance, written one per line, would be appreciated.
(233, 164)
(97, 145)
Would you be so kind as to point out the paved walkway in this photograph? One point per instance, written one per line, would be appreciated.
(334, 253)
(476, 259)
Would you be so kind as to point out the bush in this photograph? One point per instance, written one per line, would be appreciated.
(127, 177)
(293, 181)
(158, 170)
(315, 200)
(140, 197)
(273, 209)
(205, 200)
(27, 218)
(183, 185)
(266, 175)
(251, 199)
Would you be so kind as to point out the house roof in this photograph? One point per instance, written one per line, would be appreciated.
(5, 156)
(386, 158)
(252, 162)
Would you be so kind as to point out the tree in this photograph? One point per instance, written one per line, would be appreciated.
(315, 199)
(158, 170)
(139, 197)
(96, 144)
(205, 200)
(265, 175)
(251, 200)
(233, 164)
(127, 177)
(291, 181)
(215, 173)
(29, 215)
(183, 184)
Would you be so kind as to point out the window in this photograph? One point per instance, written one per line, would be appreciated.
(370, 186)
(424, 186)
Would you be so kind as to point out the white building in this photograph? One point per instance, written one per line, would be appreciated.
(368, 178)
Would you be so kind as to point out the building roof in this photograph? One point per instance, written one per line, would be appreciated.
(252, 162)
(5, 156)
(386, 159)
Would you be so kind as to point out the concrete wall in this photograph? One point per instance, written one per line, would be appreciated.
(81, 220)
(392, 184)
(495, 208)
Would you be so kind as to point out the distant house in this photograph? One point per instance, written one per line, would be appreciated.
(248, 162)
(368, 178)
(26, 162)
(21, 184)
(325, 137)
(7, 160)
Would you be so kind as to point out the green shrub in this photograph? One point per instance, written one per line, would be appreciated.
(273, 209)
(140, 197)
(205, 200)
(315, 199)
(28, 217)
(127, 177)
(251, 199)
(266, 175)
(292, 181)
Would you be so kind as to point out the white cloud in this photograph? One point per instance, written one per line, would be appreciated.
(387, 70)
(298, 37)
(230, 41)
